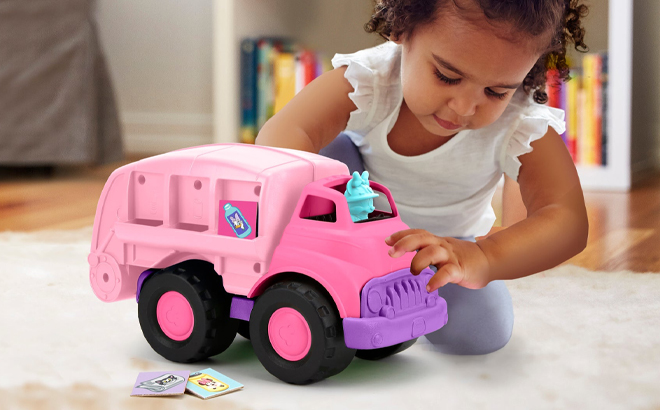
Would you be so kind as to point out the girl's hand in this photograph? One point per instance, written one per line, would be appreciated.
(458, 261)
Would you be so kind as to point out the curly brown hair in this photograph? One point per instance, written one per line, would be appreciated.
(396, 18)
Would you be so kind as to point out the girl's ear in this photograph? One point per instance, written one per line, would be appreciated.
(394, 39)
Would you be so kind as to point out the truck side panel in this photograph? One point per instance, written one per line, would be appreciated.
(108, 207)
(170, 208)
(342, 280)
(189, 206)
(109, 277)
(145, 198)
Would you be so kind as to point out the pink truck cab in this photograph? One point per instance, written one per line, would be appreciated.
(226, 238)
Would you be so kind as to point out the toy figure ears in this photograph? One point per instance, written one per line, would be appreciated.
(358, 180)
(358, 188)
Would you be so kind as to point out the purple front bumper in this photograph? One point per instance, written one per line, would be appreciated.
(395, 308)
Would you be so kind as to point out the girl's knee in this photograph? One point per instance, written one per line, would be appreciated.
(498, 337)
(485, 340)
(480, 321)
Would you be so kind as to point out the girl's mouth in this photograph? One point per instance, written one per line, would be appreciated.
(446, 124)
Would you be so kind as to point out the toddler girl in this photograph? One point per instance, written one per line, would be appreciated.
(438, 114)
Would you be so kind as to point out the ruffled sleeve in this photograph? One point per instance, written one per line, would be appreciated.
(532, 124)
(374, 75)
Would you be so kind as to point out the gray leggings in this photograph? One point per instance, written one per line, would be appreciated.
(481, 320)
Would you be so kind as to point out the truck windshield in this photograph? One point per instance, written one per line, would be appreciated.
(324, 210)
(383, 208)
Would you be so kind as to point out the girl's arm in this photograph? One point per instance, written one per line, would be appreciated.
(314, 117)
(555, 229)
(513, 208)
(556, 226)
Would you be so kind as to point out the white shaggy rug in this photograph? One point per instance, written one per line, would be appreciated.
(582, 340)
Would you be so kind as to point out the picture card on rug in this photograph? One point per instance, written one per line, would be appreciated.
(160, 383)
(209, 383)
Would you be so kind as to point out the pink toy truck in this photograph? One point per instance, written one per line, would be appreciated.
(226, 238)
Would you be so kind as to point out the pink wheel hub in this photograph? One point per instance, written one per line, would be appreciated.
(175, 316)
(289, 334)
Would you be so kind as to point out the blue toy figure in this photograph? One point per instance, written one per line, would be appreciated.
(360, 196)
(237, 221)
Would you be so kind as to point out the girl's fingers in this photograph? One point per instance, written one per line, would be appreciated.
(395, 237)
(432, 250)
(412, 242)
(448, 273)
(430, 255)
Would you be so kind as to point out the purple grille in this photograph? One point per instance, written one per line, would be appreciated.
(397, 293)
(395, 308)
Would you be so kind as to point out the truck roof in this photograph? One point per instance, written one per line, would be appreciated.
(252, 159)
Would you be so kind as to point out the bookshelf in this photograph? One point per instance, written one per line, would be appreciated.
(337, 27)
(616, 176)
(331, 27)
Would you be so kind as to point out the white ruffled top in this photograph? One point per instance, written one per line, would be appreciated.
(447, 191)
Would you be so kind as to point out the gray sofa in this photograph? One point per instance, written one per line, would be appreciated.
(56, 99)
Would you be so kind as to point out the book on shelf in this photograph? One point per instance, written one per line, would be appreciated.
(285, 79)
(583, 99)
(248, 68)
(273, 71)
(561, 103)
(571, 109)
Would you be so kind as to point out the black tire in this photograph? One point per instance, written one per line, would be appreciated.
(327, 355)
(213, 330)
(244, 329)
(383, 352)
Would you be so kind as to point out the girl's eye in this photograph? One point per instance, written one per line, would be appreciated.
(493, 94)
(446, 80)
(452, 81)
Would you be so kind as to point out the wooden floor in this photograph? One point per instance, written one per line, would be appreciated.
(624, 231)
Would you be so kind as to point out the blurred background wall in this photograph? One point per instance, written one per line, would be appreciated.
(160, 58)
(646, 85)
(159, 53)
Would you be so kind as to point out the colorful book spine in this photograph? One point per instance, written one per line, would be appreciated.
(584, 101)
(572, 119)
(553, 85)
(326, 62)
(272, 72)
(269, 48)
(556, 90)
(300, 73)
(588, 110)
(561, 103)
(248, 90)
(582, 147)
(320, 69)
(285, 80)
(264, 80)
(309, 66)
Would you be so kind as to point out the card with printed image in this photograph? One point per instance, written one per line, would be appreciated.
(160, 383)
(209, 383)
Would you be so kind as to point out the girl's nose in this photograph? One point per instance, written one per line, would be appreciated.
(462, 105)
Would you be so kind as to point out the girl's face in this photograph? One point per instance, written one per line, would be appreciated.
(459, 75)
